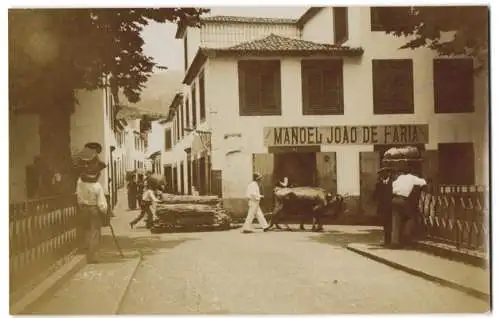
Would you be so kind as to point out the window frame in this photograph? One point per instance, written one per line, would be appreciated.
(337, 12)
(378, 97)
(442, 106)
(201, 89)
(322, 65)
(259, 69)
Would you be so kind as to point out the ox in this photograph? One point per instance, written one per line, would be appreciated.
(307, 202)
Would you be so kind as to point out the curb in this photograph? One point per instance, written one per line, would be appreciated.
(119, 304)
(48, 285)
(468, 290)
(456, 255)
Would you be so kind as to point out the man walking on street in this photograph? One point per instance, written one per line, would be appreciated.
(254, 196)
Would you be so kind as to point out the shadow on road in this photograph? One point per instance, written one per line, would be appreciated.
(130, 246)
(341, 238)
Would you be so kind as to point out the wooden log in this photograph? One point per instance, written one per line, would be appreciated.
(186, 209)
(189, 199)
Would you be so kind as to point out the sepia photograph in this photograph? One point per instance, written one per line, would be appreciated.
(265, 160)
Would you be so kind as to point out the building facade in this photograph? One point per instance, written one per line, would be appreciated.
(319, 99)
(94, 120)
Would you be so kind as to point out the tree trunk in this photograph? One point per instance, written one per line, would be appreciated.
(55, 151)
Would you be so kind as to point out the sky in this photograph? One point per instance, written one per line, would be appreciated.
(161, 44)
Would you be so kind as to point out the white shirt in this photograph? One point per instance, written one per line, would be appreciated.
(91, 194)
(253, 191)
(405, 183)
(149, 196)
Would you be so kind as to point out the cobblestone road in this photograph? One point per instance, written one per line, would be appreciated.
(277, 273)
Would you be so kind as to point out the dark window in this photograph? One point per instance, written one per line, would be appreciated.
(193, 102)
(189, 175)
(185, 53)
(202, 97)
(187, 113)
(175, 186)
(181, 117)
(393, 86)
(182, 178)
(168, 139)
(259, 88)
(179, 124)
(389, 18)
(322, 87)
(456, 163)
(453, 85)
(340, 25)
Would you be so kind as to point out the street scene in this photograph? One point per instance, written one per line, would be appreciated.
(246, 161)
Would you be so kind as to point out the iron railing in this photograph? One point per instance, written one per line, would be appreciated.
(43, 235)
(457, 215)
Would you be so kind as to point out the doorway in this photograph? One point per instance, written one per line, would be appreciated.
(298, 167)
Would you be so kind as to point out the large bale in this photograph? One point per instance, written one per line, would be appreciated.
(301, 193)
(189, 199)
(402, 153)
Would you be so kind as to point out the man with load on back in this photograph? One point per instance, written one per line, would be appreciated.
(405, 189)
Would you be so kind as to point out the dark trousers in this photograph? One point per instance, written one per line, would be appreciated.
(132, 200)
(387, 224)
(403, 220)
(145, 210)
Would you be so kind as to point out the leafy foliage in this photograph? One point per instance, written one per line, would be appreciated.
(57, 50)
(424, 25)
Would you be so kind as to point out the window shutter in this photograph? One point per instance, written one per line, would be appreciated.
(202, 96)
(392, 86)
(193, 102)
(457, 95)
(277, 87)
(340, 24)
(168, 139)
(186, 114)
(242, 87)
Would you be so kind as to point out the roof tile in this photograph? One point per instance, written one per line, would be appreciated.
(275, 42)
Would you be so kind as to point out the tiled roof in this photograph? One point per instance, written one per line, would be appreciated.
(275, 42)
(235, 19)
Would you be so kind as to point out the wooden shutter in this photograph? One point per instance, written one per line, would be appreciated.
(259, 85)
(263, 163)
(202, 96)
(186, 114)
(430, 168)
(168, 139)
(369, 163)
(392, 86)
(340, 25)
(322, 87)
(216, 182)
(193, 102)
(326, 171)
(457, 95)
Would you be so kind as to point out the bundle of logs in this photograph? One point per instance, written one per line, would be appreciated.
(188, 212)
(402, 158)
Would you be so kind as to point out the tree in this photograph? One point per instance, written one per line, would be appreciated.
(424, 25)
(54, 52)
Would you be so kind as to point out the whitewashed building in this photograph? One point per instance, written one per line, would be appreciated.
(319, 99)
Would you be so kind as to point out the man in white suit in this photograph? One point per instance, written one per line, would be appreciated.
(254, 196)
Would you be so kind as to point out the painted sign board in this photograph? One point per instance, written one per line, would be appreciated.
(346, 135)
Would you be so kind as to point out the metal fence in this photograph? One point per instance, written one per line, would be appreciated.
(457, 215)
(43, 235)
